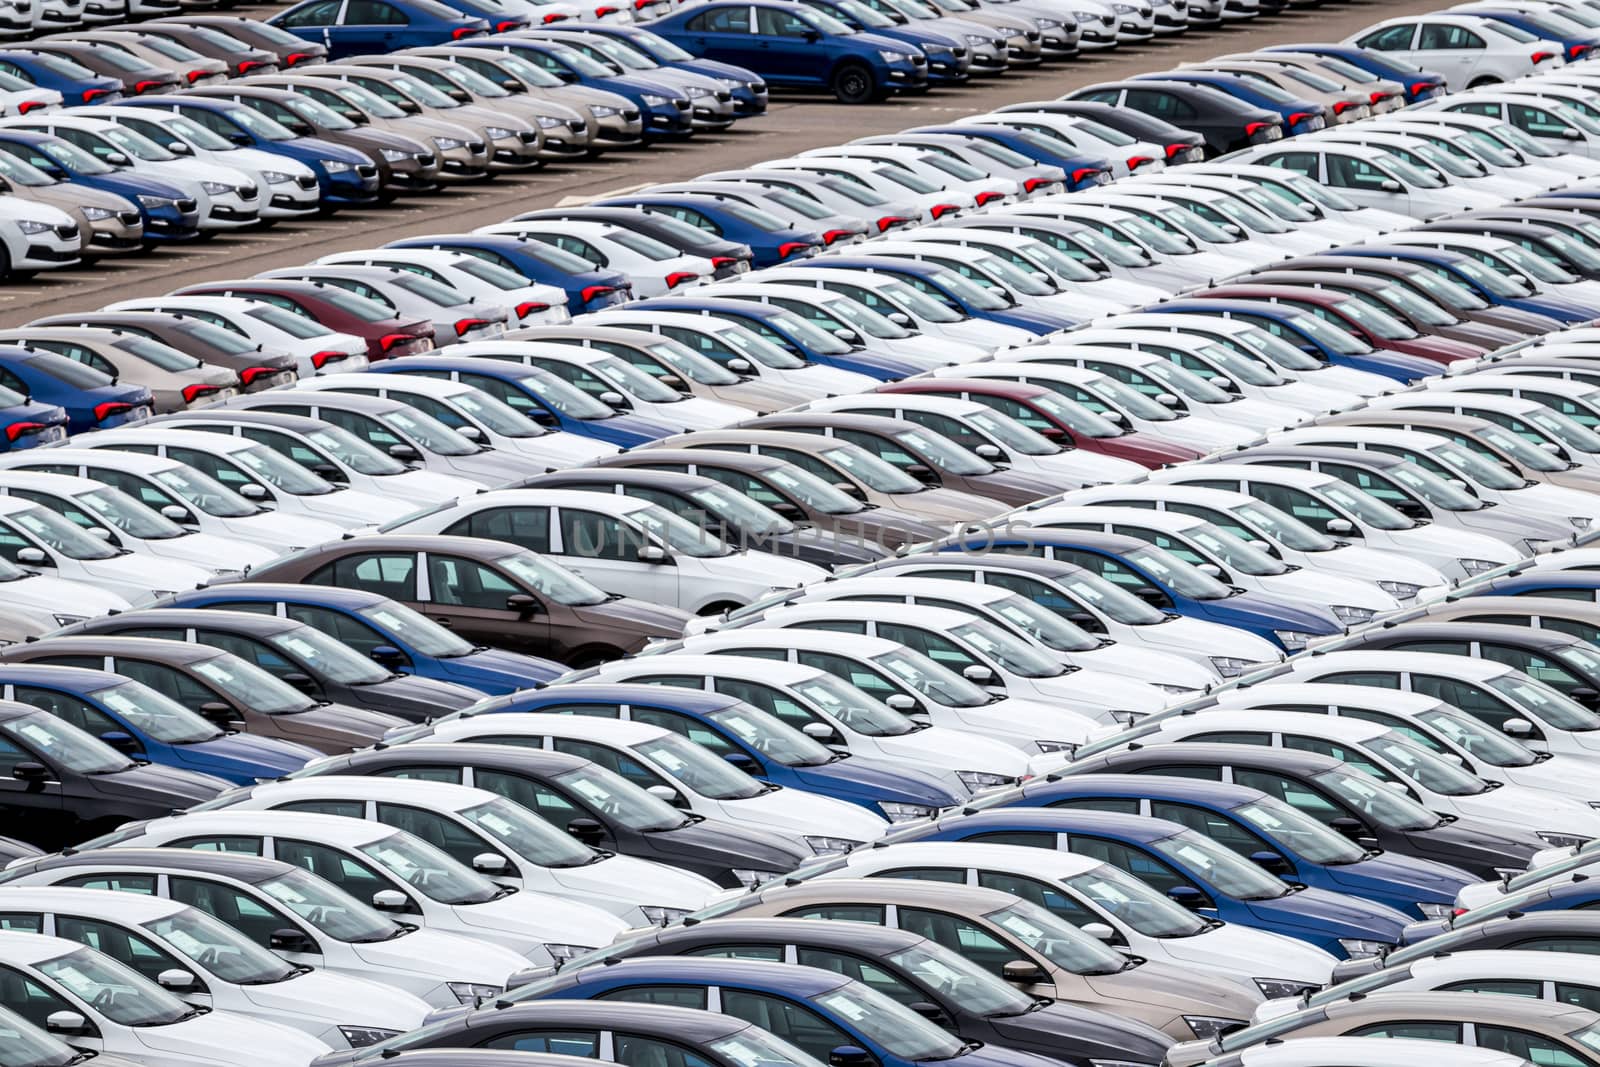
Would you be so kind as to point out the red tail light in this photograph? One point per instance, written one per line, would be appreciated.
(548, 19)
(1540, 57)
(102, 412)
(1135, 162)
(1342, 106)
(939, 211)
(295, 57)
(789, 248)
(834, 235)
(1175, 150)
(462, 31)
(1576, 50)
(591, 291)
(17, 429)
(1032, 184)
(194, 75)
(718, 262)
(504, 27)
(528, 307)
(191, 393)
(891, 220)
(988, 197)
(603, 10)
(322, 359)
(91, 95)
(145, 86)
(640, 5)
(464, 326)
(247, 65)
(679, 277)
(1300, 116)
(389, 340)
(250, 374)
(27, 106)
(1083, 174)
(1253, 128)
(1422, 87)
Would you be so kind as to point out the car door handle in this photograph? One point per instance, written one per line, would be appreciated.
(442, 620)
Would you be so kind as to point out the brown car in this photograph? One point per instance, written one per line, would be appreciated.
(176, 381)
(218, 685)
(284, 48)
(1392, 297)
(489, 592)
(116, 228)
(257, 370)
(1012, 937)
(215, 42)
(1560, 611)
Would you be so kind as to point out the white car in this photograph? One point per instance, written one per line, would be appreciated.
(506, 842)
(653, 268)
(186, 496)
(400, 873)
(1174, 255)
(1469, 50)
(623, 545)
(35, 236)
(1327, 503)
(1078, 135)
(1552, 115)
(210, 965)
(1180, 221)
(454, 315)
(1512, 262)
(1288, 195)
(38, 537)
(48, 599)
(685, 775)
(1500, 136)
(475, 414)
(1532, 420)
(944, 171)
(1547, 865)
(836, 713)
(531, 303)
(1428, 157)
(93, 999)
(256, 473)
(611, 380)
(885, 179)
(1476, 146)
(1373, 177)
(315, 350)
(109, 514)
(1364, 1052)
(1127, 914)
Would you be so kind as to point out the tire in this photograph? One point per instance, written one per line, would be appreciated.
(593, 656)
(1485, 80)
(718, 607)
(6, 273)
(852, 83)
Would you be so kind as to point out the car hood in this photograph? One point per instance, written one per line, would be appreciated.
(657, 884)
(495, 667)
(442, 957)
(426, 485)
(205, 550)
(169, 787)
(206, 1037)
(292, 531)
(1319, 588)
(635, 616)
(956, 750)
(795, 812)
(359, 724)
(1210, 637)
(1421, 880)
(1459, 544)
(266, 757)
(1088, 1033)
(1131, 660)
(632, 83)
(73, 601)
(1325, 914)
(1179, 989)
(712, 840)
(69, 197)
(876, 780)
(337, 999)
(1255, 952)
(543, 918)
(135, 570)
(408, 693)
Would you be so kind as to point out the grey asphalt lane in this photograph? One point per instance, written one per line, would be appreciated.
(792, 124)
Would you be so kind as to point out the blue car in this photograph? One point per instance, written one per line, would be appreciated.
(757, 743)
(960, 295)
(1420, 84)
(1323, 340)
(1271, 834)
(1582, 586)
(133, 718)
(1577, 41)
(797, 47)
(1485, 283)
(588, 287)
(168, 213)
(76, 83)
(749, 91)
(949, 55)
(1189, 867)
(391, 633)
(1083, 172)
(92, 400)
(666, 112)
(1165, 581)
(830, 1016)
(1574, 891)
(537, 394)
(772, 239)
(391, 25)
(29, 423)
(789, 332)
(344, 175)
(1299, 116)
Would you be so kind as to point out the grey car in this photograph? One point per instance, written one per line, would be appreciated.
(617, 122)
(455, 317)
(176, 381)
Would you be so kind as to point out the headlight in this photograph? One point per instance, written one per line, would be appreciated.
(222, 572)
(470, 993)
(652, 100)
(30, 226)
(599, 111)
(1555, 840)
(1478, 566)
(661, 915)
(154, 201)
(1351, 615)
(731, 83)
(1400, 590)
(547, 122)
(1068, 747)
(1229, 666)
(562, 953)
(1580, 521)
(276, 177)
(1123, 9)
(976, 780)
(694, 92)
(95, 214)
(1047, 24)
(335, 166)
(68, 620)
(936, 49)
(362, 1036)
(445, 144)
(394, 155)
(1176, 689)
(1206, 1027)
(218, 188)
(1293, 640)
(1116, 1063)
(894, 812)
(1357, 947)
(752, 878)
(979, 39)
(1277, 988)
(1436, 911)
(893, 57)
(1084, 16)
(830, 846)
(497, 133)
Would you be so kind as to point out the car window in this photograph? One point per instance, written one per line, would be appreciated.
(1419, 1031)
(722, 20)
(355, 877)
(251, 917)
(1136, 862)
(1041, 893)
(120, 944)
(1390, 39)
(585, 1043)
(794, 1023)
(393, 574)
(458, 582)
(1436, 36)
(79, 713)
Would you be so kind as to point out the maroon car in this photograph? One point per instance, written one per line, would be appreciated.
(216, 43)
(1350, 313)
(1063, 421)
(338, 310)
(286, 49)
(1424, 316)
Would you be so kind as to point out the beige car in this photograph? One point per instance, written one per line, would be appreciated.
(1343, 104)
(1034, 949)
(1543, 1031)
(847, 466)
(1383, 95)
(176, 381)
(110, 223)
(1580, 618)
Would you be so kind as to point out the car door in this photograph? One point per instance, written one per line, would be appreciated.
(485, 605)
(605, 550)
(725, 34)
(30, 788)
(786, 47)
(1454, 51)
(369, 26)
(1366, 183)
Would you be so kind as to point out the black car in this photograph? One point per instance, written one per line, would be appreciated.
(1226, 123)
(630, 821)
(1349, 801)
(1533, 931)
(732, 516)
(61, 785)
(1180, 144)
(970, 1002)
(322, 667)
(725, 255)
(640, 1034)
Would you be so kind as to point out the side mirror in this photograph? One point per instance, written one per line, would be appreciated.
(1099, 931)
(1150, 595)
(1571, 134)
(1585, 695)
(120, 740)
(929, 1011)
(388, 655)
(511, 85)
(740, 366)
(301, 681)
(589, 831)
(29, 771)
(177, 513)
(1389, 185)
(252, 491)
(1550, 447)
(179, 148)
(849, 337)
(1270, 861)
(821, 731)
(1209, 568)
(492, 862)
(390, 900)
(1167, 400)
(813, 36)
(117, 159)
(851, 1056)
(923, 473)
(651, 554)
(471, 433)
(900, 318)
(669, 794)
(1225, 384)
(1023, 972)
(524, 604)
(1339, 526)
(1517, 728)
(900, 702)
(849, 490)
(1114, 416)
(398, 452)
(989, 452)
(1188, 896)
(978, 673)
(66, 1022)
(175, 980)
(98, 532)
(35, 556)
(289, 939)
(613, 398)
(742, 760)
(1411, 509)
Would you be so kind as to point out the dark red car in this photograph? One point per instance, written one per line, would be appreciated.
(287, 49)
(338, 310)
(1045, 411)
(1423, 315)
(1349, 313)
(214, 43)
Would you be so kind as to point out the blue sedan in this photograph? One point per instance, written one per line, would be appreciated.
(1582, 586)
(749, 91)
(949, 56)
(747, 737)
(384, 26)
(29, 423)
(92, 400)
(834, 1018)
(168, 213)
(588, 287)
(76, 83)
(1577, 40)
(1420, 84)
(772, 239)
(1083, 172)
(133, 718)
(960, 295)
(391, 633)
(1192, 869)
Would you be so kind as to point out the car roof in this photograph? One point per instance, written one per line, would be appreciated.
(301, 424)
(1521, 1011)
(359, 402)
(1025, 859)
(133, 462)
(136, 908)
(65, 484)
(330, 829)
(1252, 472)
(610, 503)
(439, 796)
(765, 670)
(1137, 828)
(910, 614)
(1138, 785)
(75, 679)
(1465, 668)
(1328, 693)
(439, 388)
(400, 541)
(622, 732)
(791, 978)
(744, 461)
(905, 891)
(353, 599)
(156, 648)
(32, 949)
(1208, 754)
(855, 646)
(610, 692)
(690, 1024)
(1485, 631)
(249, 622)
(1355, 731)
(233, 865)
(1170, 521)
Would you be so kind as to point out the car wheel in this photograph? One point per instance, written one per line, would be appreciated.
(6, 274)
(853, 84)
(718, 607)
(1487, 79)
(593, 656)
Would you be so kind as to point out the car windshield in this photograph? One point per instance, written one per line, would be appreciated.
(250, 686)
(1057, 940)
(296, 326)
(1109, 600)
(1434, 489)
(870, 470)
(685, 361)
(635, 381)
(530, 836)
(329, 909)
(754, 1047)
(1564, 429)
(64, 745)
(24, 1045)
(1544, 703)
(1054, 260)
(746, 516)
(1011, 653)
(134, 144)
(1174, 572)
(70, 157)
(957, 977)
(932, 679)
(943, 453)
(812, 491)
(1075, 416)
(416, 630)
(1237, 364)
(678, 534)
(1303, 834)
(259, 124)
(550, 579)
(220, 949)
(1284, 528)
(1369, 510)
(427, 431)
(698, 769)
(968, 292)
(772, 737)
(756, 347)
(888, 1023)
(1491, 746)
(123, 513)
(430, 871)
(279, 472)
(328, 657)
(917, 303)
(812, 337)
(1221, 545)
(60, 535)
(1009, 432)
(1424, 311)
(852, 707)
(1131, 901)
(1040, 624)
(1119, 395)
(1524, 452)
(864, 319)
(119, 993)
(17, 172)
(619, 53)
(620, 800)
(1376, 801)
(1444, 291)
(1220, 867)
(353, 452)
(203, 492)
(155, 714)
